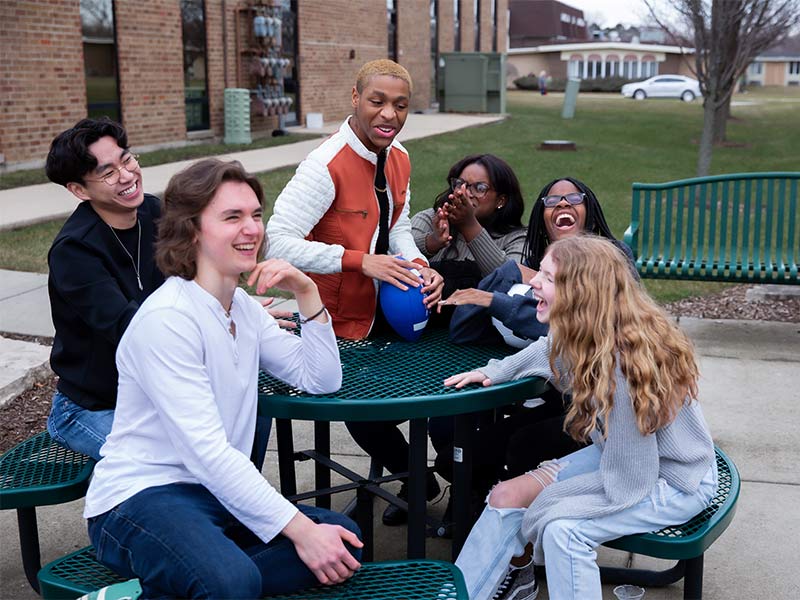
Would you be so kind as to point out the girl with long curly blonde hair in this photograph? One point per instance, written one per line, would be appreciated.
(633, 379)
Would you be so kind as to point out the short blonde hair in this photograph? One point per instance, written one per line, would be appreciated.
(382, 66)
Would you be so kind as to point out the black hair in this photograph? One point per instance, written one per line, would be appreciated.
(536, 240)
(69, 159)
(503, 181)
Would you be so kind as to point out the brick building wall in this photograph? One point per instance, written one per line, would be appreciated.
(150, 58)
(42, 87)
(414, 48)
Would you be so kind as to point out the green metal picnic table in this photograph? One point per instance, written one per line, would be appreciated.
(385, 378)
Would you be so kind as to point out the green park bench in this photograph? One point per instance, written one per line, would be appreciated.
(685, 543)
(743, 228)
(79, 573)
(39, 472)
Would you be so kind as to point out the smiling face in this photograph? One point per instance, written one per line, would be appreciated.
(564, 219)
(116, 204)
(485, 206)
(380, 111)
(544, 288)
(231, 232)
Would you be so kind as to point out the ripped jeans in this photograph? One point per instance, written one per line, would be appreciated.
(570, 559)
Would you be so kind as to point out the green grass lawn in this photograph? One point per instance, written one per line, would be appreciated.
(619, 141)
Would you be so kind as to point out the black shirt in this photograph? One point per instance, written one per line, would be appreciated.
(94, 293)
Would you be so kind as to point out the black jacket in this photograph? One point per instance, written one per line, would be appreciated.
(93, 296)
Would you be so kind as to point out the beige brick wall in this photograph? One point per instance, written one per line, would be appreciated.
(42, 87)
(414, 48)
(150, 58)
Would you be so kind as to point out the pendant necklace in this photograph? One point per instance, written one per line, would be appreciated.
(137, 263)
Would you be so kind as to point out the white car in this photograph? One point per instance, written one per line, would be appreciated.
(663, 86)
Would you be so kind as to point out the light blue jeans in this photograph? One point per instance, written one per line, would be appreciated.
(569, 544)
(78, 428)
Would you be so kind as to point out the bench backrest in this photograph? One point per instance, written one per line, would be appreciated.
(741, 227)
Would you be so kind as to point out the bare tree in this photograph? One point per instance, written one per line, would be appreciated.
(728, 35)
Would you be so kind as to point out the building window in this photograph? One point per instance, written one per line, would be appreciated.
(457, 25)
(391, 25)
(195, 80)
(794, 67)
(755, 68)
(594, 67)
(476, 12)
(100, 59)
(630, 68)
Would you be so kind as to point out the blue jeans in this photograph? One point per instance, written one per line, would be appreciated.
(78, 428)
(181, 542)
(568, 544)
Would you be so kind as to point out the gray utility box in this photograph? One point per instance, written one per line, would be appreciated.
(237, 116)
(472, 82)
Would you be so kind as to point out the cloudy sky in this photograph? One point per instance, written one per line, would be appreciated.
(610, 12)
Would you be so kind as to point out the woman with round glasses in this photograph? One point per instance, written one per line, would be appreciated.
(475, 224)
(565, 207)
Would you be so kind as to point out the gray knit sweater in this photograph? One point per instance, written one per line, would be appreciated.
(631, 464)
(487, 250)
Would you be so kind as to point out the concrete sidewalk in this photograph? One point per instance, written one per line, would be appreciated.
(36, 203)
(750, 393)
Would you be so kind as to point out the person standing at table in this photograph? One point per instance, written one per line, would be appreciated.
(343, 218)
(175, 500)
(102, 267)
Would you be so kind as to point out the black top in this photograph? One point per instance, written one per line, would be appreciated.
(94, 294)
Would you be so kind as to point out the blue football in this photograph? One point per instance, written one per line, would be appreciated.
(404, 310)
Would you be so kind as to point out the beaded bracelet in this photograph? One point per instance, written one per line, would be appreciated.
(303, 321)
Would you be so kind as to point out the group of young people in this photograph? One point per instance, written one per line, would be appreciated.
(157, 349)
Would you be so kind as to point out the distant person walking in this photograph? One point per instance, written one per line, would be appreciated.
(543, 82)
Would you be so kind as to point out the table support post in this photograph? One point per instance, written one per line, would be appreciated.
(365, 519)
(462, 480)
(29, 544)
(286, 457)
(417, 479)
(322, 475)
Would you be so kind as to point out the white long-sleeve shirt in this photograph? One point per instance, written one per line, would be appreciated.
(187, 401)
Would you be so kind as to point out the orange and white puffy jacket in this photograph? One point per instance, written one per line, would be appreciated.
(326, 219)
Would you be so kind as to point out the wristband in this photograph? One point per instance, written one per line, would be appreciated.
(303, 321)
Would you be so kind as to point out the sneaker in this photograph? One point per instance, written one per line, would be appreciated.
(127, 590)
(519, 584)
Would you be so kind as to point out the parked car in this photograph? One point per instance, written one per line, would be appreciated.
(663, 86)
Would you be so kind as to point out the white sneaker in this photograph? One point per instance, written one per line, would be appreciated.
(519, 584)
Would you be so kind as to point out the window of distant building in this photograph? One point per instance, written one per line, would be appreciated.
(194, 64)
(593, 66)
(100, 59)
(476, 14)
(391, 25)
(457, 25)
(630, 67)
(756, 68)
(649, 66)
(794, 67)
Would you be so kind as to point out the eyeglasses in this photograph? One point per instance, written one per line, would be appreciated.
(476, 190)
(130, 163)
(573, 198)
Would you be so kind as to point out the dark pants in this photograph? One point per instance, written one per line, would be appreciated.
(508, 446)
(181, 542)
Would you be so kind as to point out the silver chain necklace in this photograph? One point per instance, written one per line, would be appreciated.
(136, 264)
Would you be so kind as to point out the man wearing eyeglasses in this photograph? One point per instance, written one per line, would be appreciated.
(102, 268)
